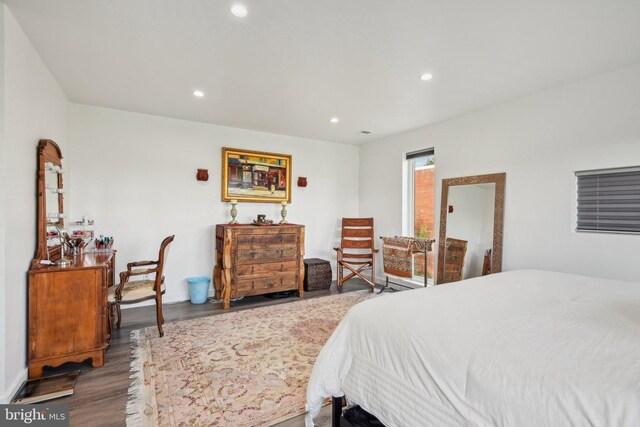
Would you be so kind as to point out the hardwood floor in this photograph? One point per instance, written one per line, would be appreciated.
(101, 394)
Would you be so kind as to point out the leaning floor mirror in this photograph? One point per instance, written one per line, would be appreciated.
(471, 224)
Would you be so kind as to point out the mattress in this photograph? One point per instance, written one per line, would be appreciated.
(521, 348)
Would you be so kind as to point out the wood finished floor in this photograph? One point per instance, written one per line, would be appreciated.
(101, 394)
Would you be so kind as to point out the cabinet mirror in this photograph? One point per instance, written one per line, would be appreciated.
(51, 194)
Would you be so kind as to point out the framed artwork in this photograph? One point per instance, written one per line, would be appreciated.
(255, 176)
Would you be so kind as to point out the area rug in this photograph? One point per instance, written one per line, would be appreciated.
(246, 368)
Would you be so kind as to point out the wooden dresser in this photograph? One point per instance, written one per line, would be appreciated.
(255, 260)
(68, 311)
(454, 261)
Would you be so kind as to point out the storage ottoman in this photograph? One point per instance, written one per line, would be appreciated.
(317, 274)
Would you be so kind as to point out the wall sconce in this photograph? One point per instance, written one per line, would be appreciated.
(202, 175)
(302, 181)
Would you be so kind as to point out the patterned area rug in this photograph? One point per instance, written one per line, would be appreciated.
(246, 368)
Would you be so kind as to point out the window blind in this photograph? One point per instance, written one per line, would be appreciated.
(420, 153)
(609, 200)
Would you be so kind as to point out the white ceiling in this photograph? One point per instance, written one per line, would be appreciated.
(291, 65)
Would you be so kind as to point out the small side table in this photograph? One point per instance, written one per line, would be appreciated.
(317, 274)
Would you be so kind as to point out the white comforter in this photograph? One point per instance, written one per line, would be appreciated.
(523, 348)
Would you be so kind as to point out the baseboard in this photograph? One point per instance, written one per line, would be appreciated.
(166, 299)
(176, 297)
(14, 387)
(182, 296)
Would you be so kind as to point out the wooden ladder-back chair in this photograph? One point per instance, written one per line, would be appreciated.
(357, 237)
(135, 291)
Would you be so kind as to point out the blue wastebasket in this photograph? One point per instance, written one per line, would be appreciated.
(198, 289)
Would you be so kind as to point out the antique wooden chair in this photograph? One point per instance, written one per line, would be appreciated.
(357, 237)
(134, 291)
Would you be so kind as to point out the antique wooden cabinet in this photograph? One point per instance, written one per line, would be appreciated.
(68, 311)
(255, 260)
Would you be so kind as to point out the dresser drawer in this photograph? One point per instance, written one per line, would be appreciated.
(246, 256)
(253, 240)
(273, 283)
(266, 269)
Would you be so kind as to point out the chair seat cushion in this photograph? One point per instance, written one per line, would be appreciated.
(135, 290)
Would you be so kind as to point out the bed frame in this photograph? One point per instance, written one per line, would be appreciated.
(336, 411)
(356, 416)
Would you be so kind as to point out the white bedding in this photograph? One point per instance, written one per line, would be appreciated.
(523, 348)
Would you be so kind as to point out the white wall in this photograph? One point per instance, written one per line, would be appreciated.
(539, 141)
(135, 175)
(35, 108)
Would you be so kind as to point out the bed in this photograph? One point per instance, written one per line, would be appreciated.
(521, 348)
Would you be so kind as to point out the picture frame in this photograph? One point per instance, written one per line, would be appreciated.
(255, 176)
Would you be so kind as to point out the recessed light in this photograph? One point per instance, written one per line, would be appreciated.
(198, 93)
(426, 76)
(334, 120)
(239, 10)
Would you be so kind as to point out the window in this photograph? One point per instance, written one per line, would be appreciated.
(419, 211)
(609, 200)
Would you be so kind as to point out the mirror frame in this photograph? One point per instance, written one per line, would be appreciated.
(48, 151)
(498, 218)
